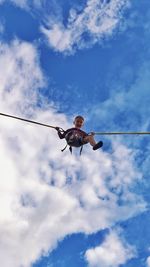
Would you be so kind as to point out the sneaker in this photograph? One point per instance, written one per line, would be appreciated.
(98, 145)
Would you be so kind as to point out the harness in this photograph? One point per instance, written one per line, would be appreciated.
(74, 138)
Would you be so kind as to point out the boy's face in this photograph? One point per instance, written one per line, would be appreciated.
(78, 123)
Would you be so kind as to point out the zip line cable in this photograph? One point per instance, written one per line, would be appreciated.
(30, 121)
(96, 133)
(123, 133)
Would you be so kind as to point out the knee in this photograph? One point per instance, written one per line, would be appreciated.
(88, 138)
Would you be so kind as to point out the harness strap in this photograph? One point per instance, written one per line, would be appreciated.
(81, 150)
(70, 148)
(62, 150)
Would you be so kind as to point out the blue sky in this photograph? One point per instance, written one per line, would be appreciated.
(59, 59)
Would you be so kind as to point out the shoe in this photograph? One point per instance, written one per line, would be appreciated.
(98, 145)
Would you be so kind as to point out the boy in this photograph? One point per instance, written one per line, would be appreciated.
(76, 137)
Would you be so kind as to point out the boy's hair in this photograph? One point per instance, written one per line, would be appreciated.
(79, 117)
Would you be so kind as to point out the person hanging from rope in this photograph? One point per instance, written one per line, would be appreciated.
(75, 137)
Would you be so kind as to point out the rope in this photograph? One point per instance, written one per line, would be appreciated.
(123, 133)
(30, 121)
(97, 133)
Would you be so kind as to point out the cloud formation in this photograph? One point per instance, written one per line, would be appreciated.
(96, 21)
(18, 86)
(41, 189)
(20, 3)
(148, 261)
(113, 252)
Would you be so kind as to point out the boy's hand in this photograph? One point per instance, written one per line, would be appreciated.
(57, 128)
(92, 133)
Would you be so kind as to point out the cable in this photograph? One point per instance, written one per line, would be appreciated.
(96, 133)
(123, 133)
(30, 121)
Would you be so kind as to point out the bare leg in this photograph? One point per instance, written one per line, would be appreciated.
(90, 139)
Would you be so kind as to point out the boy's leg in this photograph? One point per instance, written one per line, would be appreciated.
(90, 139)
(98, 145)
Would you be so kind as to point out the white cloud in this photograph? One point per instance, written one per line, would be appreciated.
(25, 4)
(20, 75)
(148, 261)
(20, 3)
(113, 252)
(28, 5)
(41, 189)
(97, 20)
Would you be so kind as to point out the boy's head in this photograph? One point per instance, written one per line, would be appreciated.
(78, 121)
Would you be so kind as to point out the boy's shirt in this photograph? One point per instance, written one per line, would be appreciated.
(75, 130)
